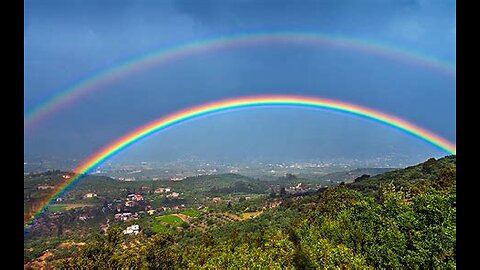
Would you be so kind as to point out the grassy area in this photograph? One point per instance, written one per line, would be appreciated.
(57, 208)
(171, 219)
(191, 212)
(158, 227)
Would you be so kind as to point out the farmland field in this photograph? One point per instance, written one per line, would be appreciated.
(191, 213)
(158, 227)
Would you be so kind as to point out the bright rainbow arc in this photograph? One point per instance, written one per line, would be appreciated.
(164, 56)
(231, 104)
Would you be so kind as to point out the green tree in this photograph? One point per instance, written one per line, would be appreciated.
(161, 253)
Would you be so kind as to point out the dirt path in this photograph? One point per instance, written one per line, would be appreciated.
(251, 215)
(69, 244)
(185, 218)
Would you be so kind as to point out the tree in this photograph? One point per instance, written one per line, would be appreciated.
(99, 254)
(427, 166)
(361, 178)
(290, 176)
(160, 253)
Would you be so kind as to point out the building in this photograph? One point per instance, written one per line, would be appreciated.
(129, 203)
(272, 204)
(134, 229)
(84, 217)
(134, 197)
(43, 187)
(163, 189)
(90, 195)
(123, 216)
(59, 199)
(173, 195)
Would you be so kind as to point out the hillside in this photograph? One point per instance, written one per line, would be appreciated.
(400, 219)
(350, 176)
(428, 170)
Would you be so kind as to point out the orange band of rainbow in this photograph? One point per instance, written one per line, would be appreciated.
(231, 104)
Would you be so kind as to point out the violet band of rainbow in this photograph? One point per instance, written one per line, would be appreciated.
(118, 71)
(236, 103)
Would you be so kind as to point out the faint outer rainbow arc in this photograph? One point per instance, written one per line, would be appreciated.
(238, 103)
(118, 71)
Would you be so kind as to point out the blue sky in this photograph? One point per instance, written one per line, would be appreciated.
(66, 41)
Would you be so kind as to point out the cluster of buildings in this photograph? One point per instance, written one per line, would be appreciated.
(163, 190)
(127, 216)
(167, 191)
(134, 199)
(272, 204)
(296, 188)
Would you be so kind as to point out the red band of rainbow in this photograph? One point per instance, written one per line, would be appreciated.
(231, 104)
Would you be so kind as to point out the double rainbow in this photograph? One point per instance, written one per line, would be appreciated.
(164, 56)
(234, 104)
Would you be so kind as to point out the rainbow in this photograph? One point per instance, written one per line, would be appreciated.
(234, 104)
(121, 70)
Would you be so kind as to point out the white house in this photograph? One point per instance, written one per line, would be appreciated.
(173, 195)
(163, 189)
(89, 195)
(135, 229)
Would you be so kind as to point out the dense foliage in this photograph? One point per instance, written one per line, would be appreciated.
(409, 221)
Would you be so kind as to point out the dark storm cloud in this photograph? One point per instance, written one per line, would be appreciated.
(421, 24)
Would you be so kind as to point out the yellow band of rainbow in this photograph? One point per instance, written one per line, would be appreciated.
(232, 104)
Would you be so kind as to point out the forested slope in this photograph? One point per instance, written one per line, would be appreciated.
(400, 219)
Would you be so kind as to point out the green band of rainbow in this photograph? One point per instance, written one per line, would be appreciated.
(164, 56)
(238, 103)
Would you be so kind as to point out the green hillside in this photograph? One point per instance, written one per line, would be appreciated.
(429, 170)
(396, 220)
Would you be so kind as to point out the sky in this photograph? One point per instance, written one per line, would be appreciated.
(70, 40)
